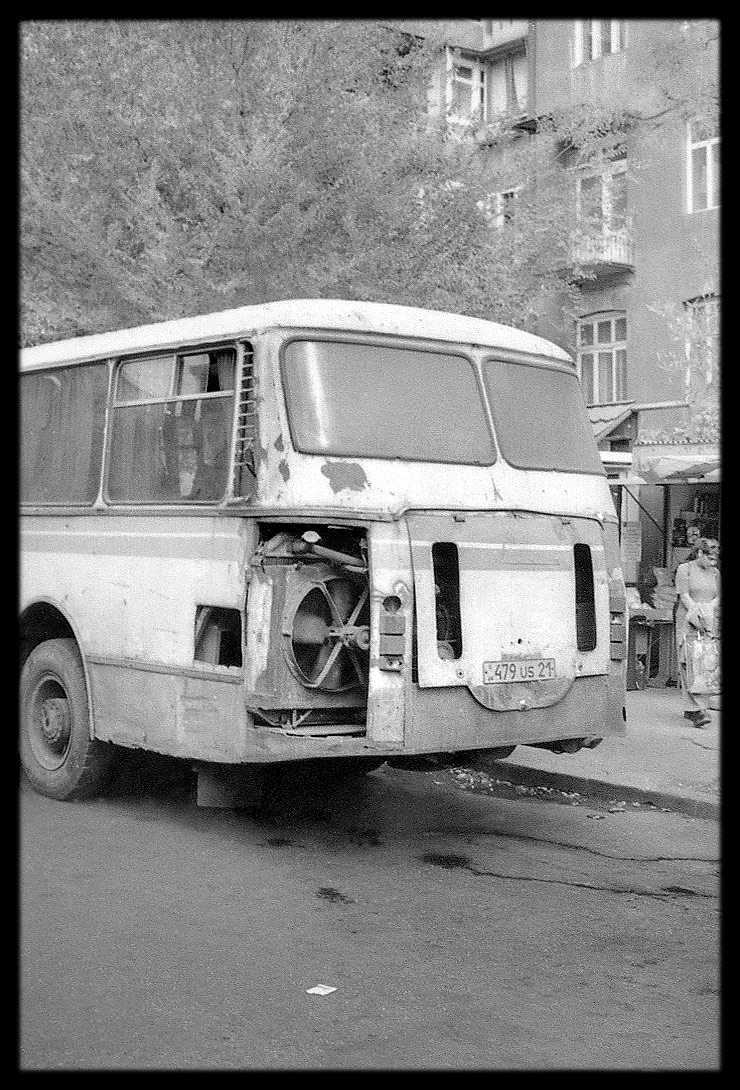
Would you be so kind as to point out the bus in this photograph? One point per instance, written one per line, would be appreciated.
(310, 529)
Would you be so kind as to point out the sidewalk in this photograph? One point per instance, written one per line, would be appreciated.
(662, 760)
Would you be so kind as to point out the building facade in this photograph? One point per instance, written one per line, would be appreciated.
(645, 240)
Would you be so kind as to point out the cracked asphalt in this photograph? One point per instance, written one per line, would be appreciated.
(461, 930)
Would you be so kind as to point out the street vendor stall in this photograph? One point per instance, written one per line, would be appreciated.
(689, 485)
(692, 486)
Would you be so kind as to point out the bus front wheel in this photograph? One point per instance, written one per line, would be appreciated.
(58, 755)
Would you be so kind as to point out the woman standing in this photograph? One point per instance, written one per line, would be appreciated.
(697, 586)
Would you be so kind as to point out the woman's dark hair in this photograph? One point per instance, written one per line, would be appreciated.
(706, 545)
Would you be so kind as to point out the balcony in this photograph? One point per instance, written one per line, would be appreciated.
(488, 133)
(499, 32)
(603, 252)
(605, 78)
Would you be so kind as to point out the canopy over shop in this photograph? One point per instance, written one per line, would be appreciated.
(659, 491)
(672, 492)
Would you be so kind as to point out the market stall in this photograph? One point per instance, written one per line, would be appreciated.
(688, 485)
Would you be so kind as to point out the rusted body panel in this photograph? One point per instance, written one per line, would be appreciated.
(588, 708)
(372, 488)
(391, 574)
(168, 712)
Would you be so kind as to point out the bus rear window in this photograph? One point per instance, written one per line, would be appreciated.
(374, 401)
(540, 417)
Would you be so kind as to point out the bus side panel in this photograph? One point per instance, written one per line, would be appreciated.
(192, 717)
(132, 587)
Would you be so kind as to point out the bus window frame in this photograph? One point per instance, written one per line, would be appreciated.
(411, 344)
(543, 364)
(174, 353)
(73, 505)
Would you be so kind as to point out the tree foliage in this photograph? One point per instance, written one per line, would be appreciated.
(178, 167)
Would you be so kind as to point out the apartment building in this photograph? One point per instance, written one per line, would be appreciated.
(646, 239)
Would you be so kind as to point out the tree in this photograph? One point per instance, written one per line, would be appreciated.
(172, 168)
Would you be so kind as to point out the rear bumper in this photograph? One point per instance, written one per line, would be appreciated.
(448, 719)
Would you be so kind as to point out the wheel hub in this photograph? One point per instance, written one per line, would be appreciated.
(55, 721)
(352, 635)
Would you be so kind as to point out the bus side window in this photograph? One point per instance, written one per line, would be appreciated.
(171, 424)
(179, 454)
(61, 432)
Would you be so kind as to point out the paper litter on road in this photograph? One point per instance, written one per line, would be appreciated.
(320, 989)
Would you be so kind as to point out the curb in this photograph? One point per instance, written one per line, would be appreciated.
(602, 789)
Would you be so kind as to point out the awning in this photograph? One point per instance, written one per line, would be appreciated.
(606, 418)
(676, 469)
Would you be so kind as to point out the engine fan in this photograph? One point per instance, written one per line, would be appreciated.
(327, 634)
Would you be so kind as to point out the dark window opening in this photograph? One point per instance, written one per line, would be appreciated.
(585, 606)
(218, 636)
(446, 568)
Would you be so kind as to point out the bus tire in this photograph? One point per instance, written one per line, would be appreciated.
(58, 755)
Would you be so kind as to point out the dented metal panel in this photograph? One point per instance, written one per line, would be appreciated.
(386, 487)
(451, 718)
(168, 712)
(391, 576)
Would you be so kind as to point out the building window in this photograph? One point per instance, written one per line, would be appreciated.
(596, 37)
(467, 96)
(602, 358)
(508, 84)
(702, 337)
(479, 91)
(499, 208)
(703, 166)
(602, 193)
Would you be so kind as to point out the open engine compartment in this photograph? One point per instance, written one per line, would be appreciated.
(312, 583)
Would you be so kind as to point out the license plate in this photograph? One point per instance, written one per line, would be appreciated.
(497, 673)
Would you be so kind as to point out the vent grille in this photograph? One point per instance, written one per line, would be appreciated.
(245, 472)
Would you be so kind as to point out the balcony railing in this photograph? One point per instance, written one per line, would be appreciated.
(604, 250)
(605, 78)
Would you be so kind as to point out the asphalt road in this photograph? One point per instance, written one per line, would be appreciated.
(461, 931)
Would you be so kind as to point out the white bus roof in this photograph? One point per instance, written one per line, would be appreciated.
(329, 314)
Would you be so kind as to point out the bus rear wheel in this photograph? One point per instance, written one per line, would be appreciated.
(58, 755)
